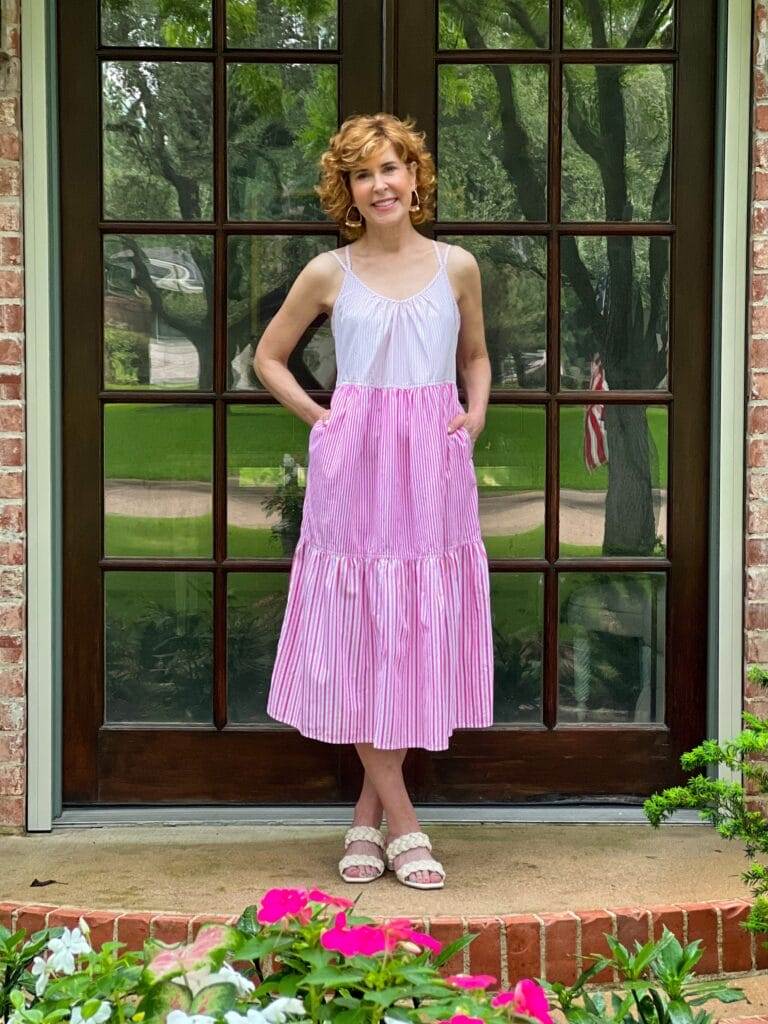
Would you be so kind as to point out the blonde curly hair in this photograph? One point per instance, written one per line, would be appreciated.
(359, 137)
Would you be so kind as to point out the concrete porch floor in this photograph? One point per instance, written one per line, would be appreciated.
(491, 868)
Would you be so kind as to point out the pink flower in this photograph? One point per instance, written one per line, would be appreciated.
(318, 896)
(400, 928)
(363, 940)
(462, 1018)
(471, 980)
(527, 998)
(278, 903)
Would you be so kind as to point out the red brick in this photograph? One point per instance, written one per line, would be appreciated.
(12, 484)
(101, 922)
(757, 615)
(485, 950)
(447, 930)
(10, 179)
(12, 779)
(11, 552)
(761, 185)
(10, 387)
(11, 715)
(560, 947)
(32, 917)
(523, 946)
(10, 216)
(12, 683)
(757, 552)
(702, 924)
(760, 83)
(737, 941)
(594, 926)
(170, 928)
(133, 930)
(7, 910)
(12, 416)
(761, 944)
(11, 287)
(11, 313)
(757, 649)
(11, 451)
(760, 214)
(10, 148)
(12, 810)
(11, 250)
(12, 747)
(632, 924)
(758, 384)
(671, 917)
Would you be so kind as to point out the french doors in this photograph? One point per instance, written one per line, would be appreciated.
(574, 147)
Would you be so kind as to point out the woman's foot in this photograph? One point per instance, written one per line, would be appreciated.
(418, 853)
(365, 816)
(363, 846)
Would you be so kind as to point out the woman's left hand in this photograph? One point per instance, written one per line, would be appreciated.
(471, 424)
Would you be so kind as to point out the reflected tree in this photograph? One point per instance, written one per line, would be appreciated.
(618, 323)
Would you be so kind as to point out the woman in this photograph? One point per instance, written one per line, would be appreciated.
(386, 638)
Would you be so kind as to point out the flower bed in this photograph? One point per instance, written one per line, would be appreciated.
(305, 956)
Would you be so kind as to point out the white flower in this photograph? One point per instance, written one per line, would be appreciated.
(65, 948)
(84, 927)
(276, 1012)
(273, 1013)
(179, 1017)
(41, 969)
(103, 1013)
(228, 974)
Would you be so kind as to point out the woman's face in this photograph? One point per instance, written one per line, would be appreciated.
(382, 187)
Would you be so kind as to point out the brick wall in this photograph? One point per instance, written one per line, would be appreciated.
(12, 511)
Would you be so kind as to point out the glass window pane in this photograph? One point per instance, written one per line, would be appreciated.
(156, 23)
(158, 496)
(266, 477)
(256, 610)
(158, 332)
(614, 312)
(617, 131)
(510, 466)
(276, 25)
(509, 25)
(606, 24)
(159, 647)
(612, 647)
(492, 141)
(279, 120)
(260, 271)
(613, 480)
(514, 287)
(517, 604)
(157, 140)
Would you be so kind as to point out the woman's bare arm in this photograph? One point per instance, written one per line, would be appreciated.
(308, 297)
(474, 365)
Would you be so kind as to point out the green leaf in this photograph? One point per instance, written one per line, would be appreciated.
(214, 999)
(162, 998)
(385, 997)
(332, 976)
(458, 944)
(248, 923)
(679, 1012)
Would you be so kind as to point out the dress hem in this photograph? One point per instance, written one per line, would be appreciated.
(409, 744)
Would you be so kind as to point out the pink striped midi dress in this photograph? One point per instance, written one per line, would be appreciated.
(386, 637)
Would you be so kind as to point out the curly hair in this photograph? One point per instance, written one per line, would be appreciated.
(359, 137)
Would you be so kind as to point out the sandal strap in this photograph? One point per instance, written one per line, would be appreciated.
(409, 841)
(427, 864)
(363, 832)
(358, 860)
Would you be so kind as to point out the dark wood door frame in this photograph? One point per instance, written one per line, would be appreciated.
(125, 765)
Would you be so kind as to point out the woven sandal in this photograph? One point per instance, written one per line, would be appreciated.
(356, 860)
(412, 841)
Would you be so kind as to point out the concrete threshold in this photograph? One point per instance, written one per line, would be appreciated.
(492, 868)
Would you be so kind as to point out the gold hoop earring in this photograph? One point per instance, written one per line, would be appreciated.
(418, 204)
(353, 223)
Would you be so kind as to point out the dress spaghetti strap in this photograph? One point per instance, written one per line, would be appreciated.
(345, 266)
